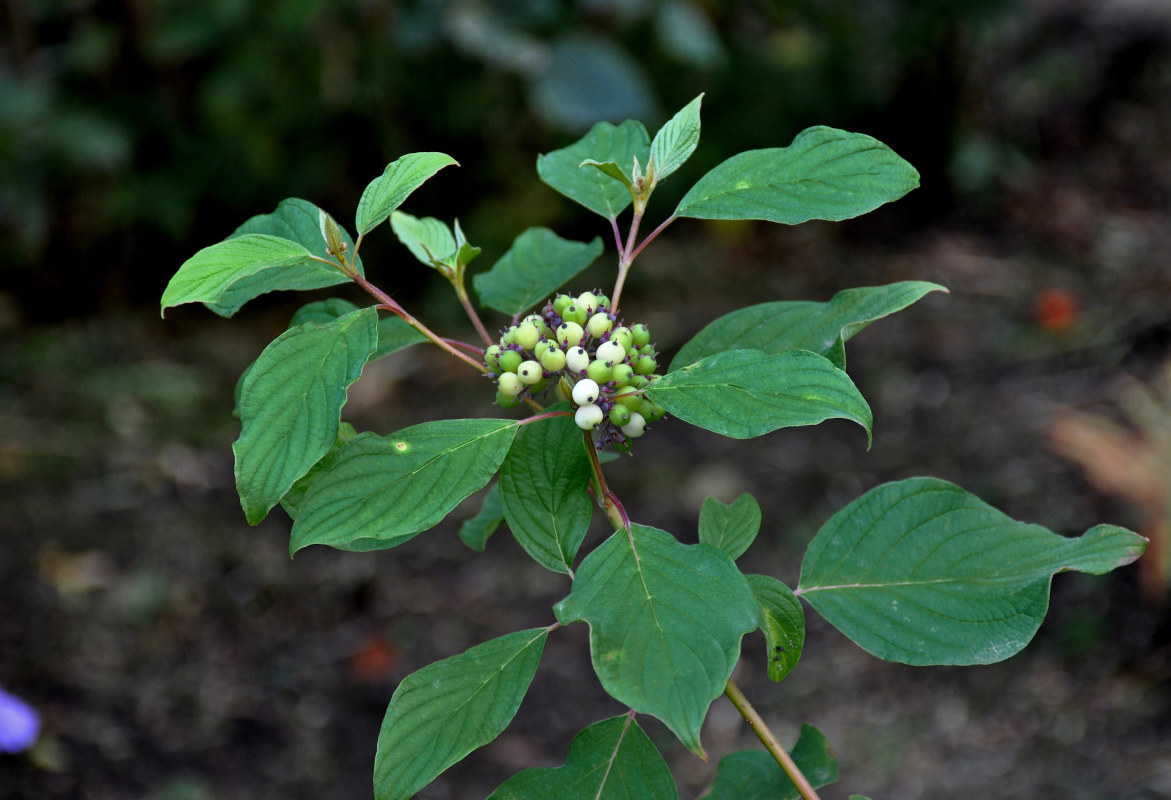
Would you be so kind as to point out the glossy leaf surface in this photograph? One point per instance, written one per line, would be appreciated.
(543, 485)
(538, 263)
(610, 760)
(382, 490)
(755, 774)
(821, 328)
(782, 621)
(923, 572)
(562, 170)
(448, 709)
(388, 191)
(747, 393)
(825, 173)
(730, 527)
(665, 620)
(290, 404)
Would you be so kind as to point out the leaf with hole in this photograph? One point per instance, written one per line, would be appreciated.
(923, 572)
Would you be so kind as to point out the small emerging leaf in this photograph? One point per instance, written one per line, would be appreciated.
(923, 572)
(538, 263)
(388, 191)
(609, 760)
(755, 774)
(562, 169)
(448, 709)
(428, 239)
(730, 527)
(824, 174)
(781, 621)
(747, 393)
(676, 141)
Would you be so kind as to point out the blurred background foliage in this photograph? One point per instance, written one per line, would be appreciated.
(132, 132)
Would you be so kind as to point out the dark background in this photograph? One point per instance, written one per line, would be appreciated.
(177, 654)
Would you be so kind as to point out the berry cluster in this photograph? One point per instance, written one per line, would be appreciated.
(602, 366)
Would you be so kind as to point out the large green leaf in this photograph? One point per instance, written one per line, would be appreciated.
(923, 572)
(755, 774)
(448, 709)
(476, 530)
(298, 221)
(290, 404)
(609, 760)
(730, 527)
(293, 498)
(538, 263)
(543, 483)
(382, 490)
(746, 393)
(393, 333)
(562, 170)
(675, 141)
(208, 275)
(803, 325)
(824, 174)
(388, 191)
(781, 621)
(665, 620)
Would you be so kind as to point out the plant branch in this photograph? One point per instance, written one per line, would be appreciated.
(462, 293)
(650, 236)
(761, 729)
(624, 261)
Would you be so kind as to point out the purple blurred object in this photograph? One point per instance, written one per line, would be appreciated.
(19, 724)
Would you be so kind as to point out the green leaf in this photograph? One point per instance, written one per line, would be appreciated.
(383, 490)
(676, 141)
(298, 221)
(290, 405)
(393, 333)
(448, 709)
(293, 498)
(755, 774)
(611, 169)
(665, 621)
(543, 483)
(476, 531)
(538, 263)
(428, 239)
(610, 760)
(824, 174)
(207, 276)
(562, 170)
(746, 393)
(821, 328)
(388, 191)
(923, 572)
(781, 621)
(730, 527)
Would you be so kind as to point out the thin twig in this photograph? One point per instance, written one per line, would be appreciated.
(761, 729)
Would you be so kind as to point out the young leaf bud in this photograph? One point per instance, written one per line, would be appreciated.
(509, 360)
(586, 392)
(570, 334)
(577, 359)
(598, 371)
(565, 389)
(599, 324)
(529, 372)
(510, 384)
(635, 427)
(641, 334)
(611, 352)
(553, 359)
(588, 416)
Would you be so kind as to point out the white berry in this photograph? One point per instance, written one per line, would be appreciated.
(588, 416)
(585, 393)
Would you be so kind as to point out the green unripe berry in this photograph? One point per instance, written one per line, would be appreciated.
(646, 350)
(635, 427)
(619, 415)
(622, 335)
(639, 381)
(586, 392)
(577, 359)
(631, 401)
(575, 313)
(570, 334)
(588, 301)
(652, 411)
(542, 348)
(510, 384)
(509, 336)
(641, 334)
(504, 401)
(529, 372)
(527, 335)
(646, 365)
(552, 359)
(599, 324)
(588, 417)
(621, 374)
(509, 360)
(539, 386)
(598, 371)
(562, 302)
(603, 302)
(611, 352)
(491, 355)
